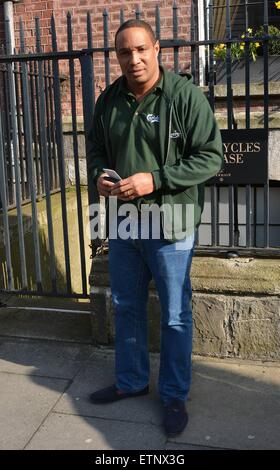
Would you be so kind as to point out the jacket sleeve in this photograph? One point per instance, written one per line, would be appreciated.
(97, 154)
(203, 156)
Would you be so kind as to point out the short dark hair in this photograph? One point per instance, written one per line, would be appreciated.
(136, 24)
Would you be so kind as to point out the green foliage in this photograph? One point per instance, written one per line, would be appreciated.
(237, 49)
(273, 44)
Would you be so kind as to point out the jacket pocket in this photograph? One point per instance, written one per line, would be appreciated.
(179, 214)
(191, 194)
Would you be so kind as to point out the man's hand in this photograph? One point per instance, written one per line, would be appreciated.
(103, 186)
(134, 186)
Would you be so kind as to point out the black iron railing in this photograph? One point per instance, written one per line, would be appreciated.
(32, 140)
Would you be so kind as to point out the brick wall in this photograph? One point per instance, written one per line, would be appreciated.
(29, 9)
(79, 10)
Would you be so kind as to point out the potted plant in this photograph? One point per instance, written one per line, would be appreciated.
(255, 55)
(237, 55)
(273, 52)
(238, 49)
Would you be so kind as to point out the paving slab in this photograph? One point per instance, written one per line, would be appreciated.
(99, 373)
(234, 406)
(68, 432)
(44, 358)
(59, 326)
(25, 402)
(44, 404)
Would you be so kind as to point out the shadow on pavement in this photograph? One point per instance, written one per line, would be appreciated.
(45, 387)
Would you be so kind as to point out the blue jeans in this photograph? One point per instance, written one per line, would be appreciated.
(133, 263)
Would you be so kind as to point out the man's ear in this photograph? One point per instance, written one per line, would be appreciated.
(157, 46)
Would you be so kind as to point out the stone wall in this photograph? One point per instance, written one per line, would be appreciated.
(236, 307)
(274, 154)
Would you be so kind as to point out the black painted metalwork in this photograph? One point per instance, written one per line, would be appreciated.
(32, 138)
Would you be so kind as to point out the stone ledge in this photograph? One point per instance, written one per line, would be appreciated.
(256, 119)
(243, 276)
(239, 90)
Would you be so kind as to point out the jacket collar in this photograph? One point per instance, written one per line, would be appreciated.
(122, 86)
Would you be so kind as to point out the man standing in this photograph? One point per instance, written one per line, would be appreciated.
(157, 131)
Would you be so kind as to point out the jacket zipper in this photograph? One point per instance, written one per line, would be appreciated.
(103, 240)
(169, 132)
(106, 143)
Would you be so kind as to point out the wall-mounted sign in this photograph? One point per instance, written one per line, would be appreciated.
(245, 157)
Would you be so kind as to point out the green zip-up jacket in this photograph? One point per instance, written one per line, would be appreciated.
(181, 176)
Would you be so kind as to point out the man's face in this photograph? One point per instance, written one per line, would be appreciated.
(137, 56)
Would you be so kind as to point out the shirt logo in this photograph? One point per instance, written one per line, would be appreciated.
(175, 135)
(152, 118)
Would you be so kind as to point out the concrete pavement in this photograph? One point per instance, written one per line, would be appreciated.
(44, 402)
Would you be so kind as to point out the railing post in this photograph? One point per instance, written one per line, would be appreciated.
(44, 158)
(193, 47)
(175, 36)
(106, 45)
(86, 62)
(122, 16)
(158, 31)
(30, 162)
(228, 64)
(15, 156)
(211, 95)
(138, 13)
(76, 149)
(89, 31)
(4, 207)
(266, 117)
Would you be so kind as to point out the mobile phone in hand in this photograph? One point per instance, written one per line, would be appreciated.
(110, 178)
(112, 175)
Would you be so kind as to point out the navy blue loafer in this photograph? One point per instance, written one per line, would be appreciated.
(111, 394)
(175, 417)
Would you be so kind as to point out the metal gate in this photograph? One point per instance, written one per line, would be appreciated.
(33, 144)
(32, 167)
